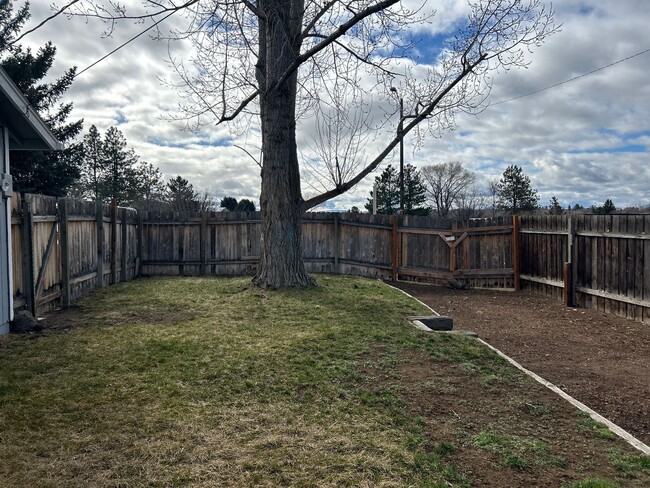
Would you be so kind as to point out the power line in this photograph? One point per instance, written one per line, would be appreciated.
(571, 79)
(125, 43)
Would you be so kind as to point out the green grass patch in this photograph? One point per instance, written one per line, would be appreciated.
(595, 428)
(630, 464)
(592, 483)
(209, 382)
(517, 452)
(177, 381)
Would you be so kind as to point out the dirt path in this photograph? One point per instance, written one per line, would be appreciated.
(600, 359)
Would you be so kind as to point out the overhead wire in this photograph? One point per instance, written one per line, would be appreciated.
(555, 85)
(125, 43)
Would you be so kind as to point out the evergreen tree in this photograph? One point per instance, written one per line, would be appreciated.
(387, 185)
(515, 191)
(555, 208)
(607, 208)
(414, 192)
(51, 173)
(388, 192)
(121, 178)
(93, 166)
(181, 196)
(245, 205)
(228, 203)
(150, 187)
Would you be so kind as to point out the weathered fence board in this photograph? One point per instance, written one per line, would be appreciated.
(228, 244)
(56, 250)
(64, 248)
(609, 260)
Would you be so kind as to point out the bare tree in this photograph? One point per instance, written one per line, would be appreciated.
(470, 204)
(493, 188)
(270, 59)
(446, 183)
(336, 150)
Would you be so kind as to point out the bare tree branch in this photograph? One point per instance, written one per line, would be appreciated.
(58, 12)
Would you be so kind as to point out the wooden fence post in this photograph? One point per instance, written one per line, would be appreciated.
(337, 268)
(113, 241)
(202, 241)
(28, 255)
(138, 258)
(572, 254)
(99, 222)
(124, 247)
(65, 251)
(516, 246)
(182, 217)
(452, 257)
(394, 254)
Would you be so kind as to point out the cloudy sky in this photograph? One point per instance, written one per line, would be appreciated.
(583, 141)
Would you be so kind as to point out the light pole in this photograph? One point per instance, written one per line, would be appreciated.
(400, 128)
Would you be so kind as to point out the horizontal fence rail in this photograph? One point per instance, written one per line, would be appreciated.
(600, 262)
(379, 246)
(63, 248)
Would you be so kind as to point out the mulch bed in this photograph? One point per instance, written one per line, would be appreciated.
(600, 359)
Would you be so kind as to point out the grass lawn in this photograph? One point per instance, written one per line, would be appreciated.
(207, 382)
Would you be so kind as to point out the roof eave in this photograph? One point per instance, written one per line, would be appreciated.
(28, 131)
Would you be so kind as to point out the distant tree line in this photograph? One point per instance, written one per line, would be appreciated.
(448, 190)
(96, 167)
(231, 204)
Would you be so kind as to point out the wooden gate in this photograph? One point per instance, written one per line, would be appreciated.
(40, 247)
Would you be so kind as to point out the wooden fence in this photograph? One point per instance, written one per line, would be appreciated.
(593, 261)
(379, 246)
(63, 248)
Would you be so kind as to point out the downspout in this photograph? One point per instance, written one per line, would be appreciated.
(10, 274)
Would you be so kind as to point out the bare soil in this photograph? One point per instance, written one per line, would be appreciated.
(599, 359)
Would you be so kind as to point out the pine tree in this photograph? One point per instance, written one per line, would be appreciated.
(149, 187)
(120, 182)
(515, 191)
(414, 192)
(228, 203)
(555, 208)
(388, 192)
(245, 205)
(181, 196)
(51, 173)
(607, 208)
(93, 167)
(387, 185)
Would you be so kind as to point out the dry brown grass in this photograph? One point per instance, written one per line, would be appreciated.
(207, 382)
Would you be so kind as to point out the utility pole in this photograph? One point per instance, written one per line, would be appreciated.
(400, 129)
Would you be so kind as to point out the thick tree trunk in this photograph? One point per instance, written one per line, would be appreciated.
(281, 264)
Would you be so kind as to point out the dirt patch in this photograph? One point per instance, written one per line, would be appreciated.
(78, 317)
(600, 359)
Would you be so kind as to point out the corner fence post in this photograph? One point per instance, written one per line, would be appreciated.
(516, 251)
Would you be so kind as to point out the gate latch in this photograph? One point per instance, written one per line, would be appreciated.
(6, 185)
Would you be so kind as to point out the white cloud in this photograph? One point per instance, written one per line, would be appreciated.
(583, 141)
